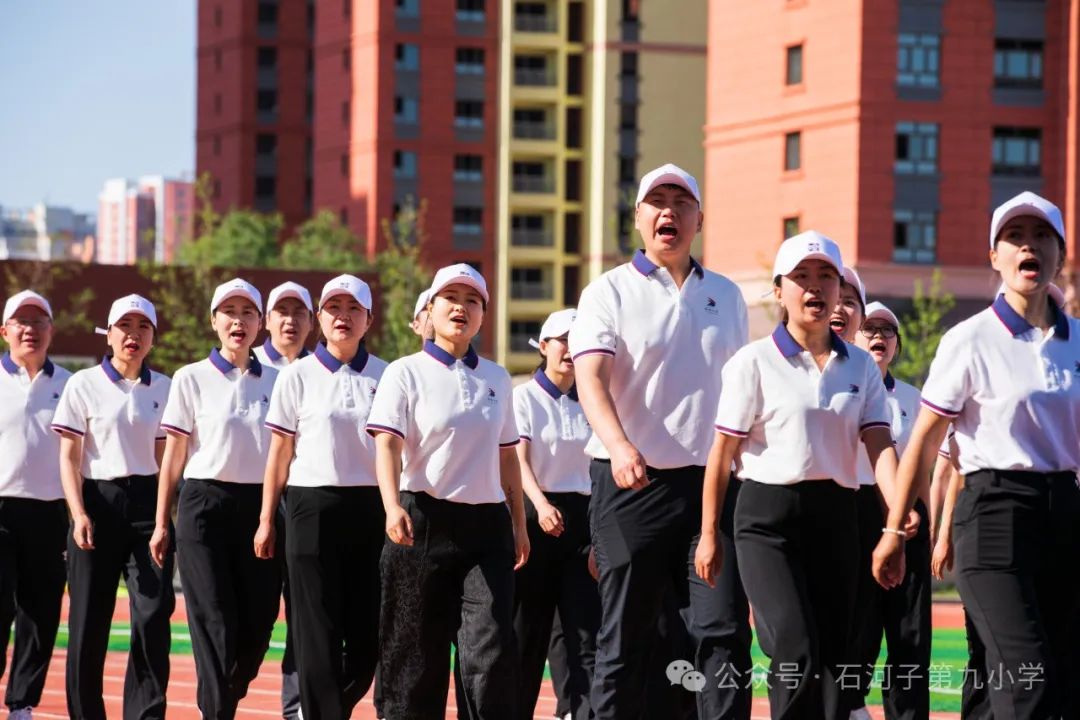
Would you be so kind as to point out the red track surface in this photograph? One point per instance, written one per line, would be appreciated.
(264, 699)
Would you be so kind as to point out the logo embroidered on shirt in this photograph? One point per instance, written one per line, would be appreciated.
(156, 405)
(265, 399)
(1077, 369)
(710, 305)
(853, 389)
(56, 395)
(491, 396)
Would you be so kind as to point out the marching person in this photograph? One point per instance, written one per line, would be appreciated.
(443, 421)
(555, 478)
(334, 521)
(850, 312)
(648, 343)
(794, 407)
(33, 519)
(288, 324)
(1006, 380)
(217, 440)
(903, 613)
(109, 421)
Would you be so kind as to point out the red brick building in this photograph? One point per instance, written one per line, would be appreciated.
(893, 127)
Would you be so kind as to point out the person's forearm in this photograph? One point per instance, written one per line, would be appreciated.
(952, 492)
(70, 474)
(276, 476)
(388, 469)
(510, 478)
(883, 458)
(717, 477)
(172, 464)
(913, 475)
(529, 484)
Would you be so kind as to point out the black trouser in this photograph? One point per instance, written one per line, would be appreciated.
(290, 678)
(557, 578)
(975, 697)
(32, 576)
(456, 581)
(334, 540)
(1017, 538)
(798, 551)
(558, 657)
(644, 541)
(232, 596)
(903, 613)
(122, 512)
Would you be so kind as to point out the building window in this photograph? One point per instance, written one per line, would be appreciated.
(469, 113)
(530, 231)
(346, 8)
(265, 190)
(628, 116)
(266, 57)
(1018, 64)
(918, 61)
(468, 168)
(265, 144)
(914, 236)
(469, 61)
(791, 226)
(468, 220)
(627, 171)
(533, 17)
(217, 16)
(794, 65)
(217, 146)
(530, 176)
(916, 148)
(521, 331)
(533, 124)
(533, 71)
(346, 60)
(1016, 151)
(529, 283)
(217, 59)
(267, 18)
(405, 109)
(346, 112)
(407, 8)
(266, 105)
(407, 57)
(343, 163)
(793, 151)
(404, 164)
(217, 103)
(470, 10)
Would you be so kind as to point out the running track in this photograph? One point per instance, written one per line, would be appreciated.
(264, 700)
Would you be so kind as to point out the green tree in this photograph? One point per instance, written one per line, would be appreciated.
(922, 330)
(402, 276)
(72, 310)
(237, 239)
(181, 294)
(323, 243)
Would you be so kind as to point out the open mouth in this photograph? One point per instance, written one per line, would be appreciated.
(288, 332)
(132, 347)
(878, 346)
(567, 359)
(342, 327)
(1030, 268)
(459, 320)
(237, 336)
(668, 230)
(838, 323)
(815, 305)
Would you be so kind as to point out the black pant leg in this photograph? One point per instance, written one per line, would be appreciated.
(536, 593)
(578, 605)
(290, 678)
(868, 621)
(975, 696)
(556, 660)
(93, 578)
(9, 543)
(39, 576)
(363, 591)
(1059, 592)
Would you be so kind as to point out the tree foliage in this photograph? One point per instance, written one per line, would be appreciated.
(237, 239)
(72, 313)
(402, 276)
(922, 330)
(323, 243)
(181, 295)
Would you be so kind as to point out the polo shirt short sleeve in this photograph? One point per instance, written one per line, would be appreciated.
(902, 400)
(454, 415)
(118, 420)
(554, 426)
(267, 354)
(31, 451)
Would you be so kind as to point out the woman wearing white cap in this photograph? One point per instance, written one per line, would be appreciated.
(33, 519)
(1007, 379)
(335, 521)
(555, 478)
(794, 407)
(289, 316)
(903, 613)
(443, 421)
(419, 322)
(850, 312)
(218, 441)
(109, 421)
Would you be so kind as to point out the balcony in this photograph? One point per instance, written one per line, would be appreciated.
(520, 290)
(531, 237)
(534, 76)
(535, 23)
(533, 184)
(530, 130)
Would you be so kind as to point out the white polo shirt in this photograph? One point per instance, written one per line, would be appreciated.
(798, 422)
(222, 412)
(324, 404)
(903, 403)
(30, 451)
(668, 345)
(119, 420)
(267, 354)
(454, 416)
(1012, 392)
(554, 425)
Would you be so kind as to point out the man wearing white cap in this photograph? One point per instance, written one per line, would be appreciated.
(111, 440)
(648, 344)
(33, 519)
(218, 441)
(1007, 381)
(288, 324)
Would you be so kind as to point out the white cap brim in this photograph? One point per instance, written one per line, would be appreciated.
(669, 178)
(883, 313)
(784, 270)
(342, 291)
(237, 293)
(460, 280)
(285, 294)
(39, 303)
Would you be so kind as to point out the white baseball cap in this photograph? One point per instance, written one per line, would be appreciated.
(236, 288)
(668, 174)
(26, 297)
(132, 304)
(557, 324)
(463, 274)
(289, 290)
(1026, 203)
(349, 285)
(852, 278)
(809, 245)
(878, 311)
(1056, 294)
(421, 303)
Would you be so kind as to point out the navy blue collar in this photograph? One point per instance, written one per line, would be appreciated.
(646, 267)
(1017, 325)
(273, 354)
(789, 347)
(331, 363)
(552, 389)
(12, 369)
(890, 381)
(471, 358)
(216, 359)
(115, 376)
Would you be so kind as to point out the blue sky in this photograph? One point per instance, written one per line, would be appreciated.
(93, 90)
